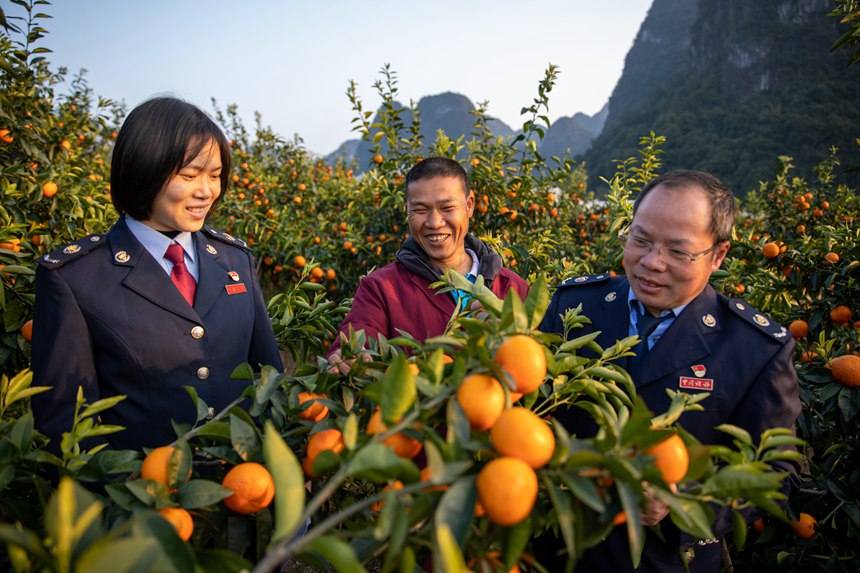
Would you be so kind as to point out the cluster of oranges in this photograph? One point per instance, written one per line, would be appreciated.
(252, 485)
(507, 485)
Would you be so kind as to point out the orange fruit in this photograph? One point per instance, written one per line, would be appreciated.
(673, 460)
(317, 273)
(522, 434)
(253, 487)
(27, 330)
(840, 315)
(475, 162)
(804, 526)
(425, 476)
(377, 159)
(403, 445)
(799, 329)
(758, 525)
(316, 411)
(831, 259)
(482, 399)
(846, 369)
(507, 489)
(155, 464)
(330, 440)
(330, 274)
(414, 369)
(347, 245)
(302, 186)
(523, 358)
(620, 518)
(5, 137)
(49, 189)
(397, 484)
(770, 250)
(180, 519)
(300, 261)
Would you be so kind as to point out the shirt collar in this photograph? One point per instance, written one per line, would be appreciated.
(474, 270)
(157, 243)
(634, 304)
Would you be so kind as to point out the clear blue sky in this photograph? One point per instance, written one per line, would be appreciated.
(292, 61)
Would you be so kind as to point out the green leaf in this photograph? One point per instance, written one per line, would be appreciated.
(447, 557)
(201, 493)
(514, 541)
(514, 312)
(741, 482)
(337, 552)
(455, 508)
(378, 463)
(244, 438)
(635, 533)
(537, 302)
(739, 529)
(220, 561)
(736, 432)
(128, 555)
(398, 391)
(269, 383)
(289, 482)
(243, 372)
(100, 406)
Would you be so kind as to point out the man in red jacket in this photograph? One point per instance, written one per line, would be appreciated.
(398, 296)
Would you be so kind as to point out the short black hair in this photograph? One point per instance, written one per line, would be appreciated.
(437, 167)
(158, 138)
(720, 197)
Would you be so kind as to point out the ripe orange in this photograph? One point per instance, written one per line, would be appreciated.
(523, 358)
(347, 245)
(831, 259)
(475, 162)
(507, 489)
(846, 369)
(758, 525)
(180, 519)
(620, 518)
(522, 434)
(300, 261)
(403, 445)
(330, 440)
(799, 329)
(673, 460)
(302, 186)
(27, 330)
(317, 273)
(330, 274)
(804, 526)
(49, 189)
(316, 411)
(770, 250)
(840, 315)
(5, 137)
(252, 485)
(378, 159)
(155, 464)
(482, 399)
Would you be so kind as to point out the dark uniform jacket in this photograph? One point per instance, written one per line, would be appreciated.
(108, 318)
(717, 344)
(398, 296)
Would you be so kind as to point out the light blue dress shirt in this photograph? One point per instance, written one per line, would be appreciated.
(156, 243)
(670, 315)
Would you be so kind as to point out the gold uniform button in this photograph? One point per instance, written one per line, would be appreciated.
(197, 332)
(203, 373)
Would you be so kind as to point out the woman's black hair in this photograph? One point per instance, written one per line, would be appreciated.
(158, 138)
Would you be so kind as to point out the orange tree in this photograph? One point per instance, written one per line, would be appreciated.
(358, 511)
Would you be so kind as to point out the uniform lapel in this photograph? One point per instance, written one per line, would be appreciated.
(212, 276)
(616, 316)
(146, 277)
(684, 343)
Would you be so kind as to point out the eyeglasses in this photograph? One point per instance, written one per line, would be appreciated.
(639, 246)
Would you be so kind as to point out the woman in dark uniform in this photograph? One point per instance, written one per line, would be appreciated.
(161, 301)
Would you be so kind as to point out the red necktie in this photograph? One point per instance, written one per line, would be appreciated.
(179, 274)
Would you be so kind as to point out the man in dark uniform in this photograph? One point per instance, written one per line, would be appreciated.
(697, 341)
(158, 303)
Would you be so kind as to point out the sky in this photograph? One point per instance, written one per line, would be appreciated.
(292, 61)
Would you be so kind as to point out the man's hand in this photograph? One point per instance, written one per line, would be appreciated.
(655, 509)
(337, 365)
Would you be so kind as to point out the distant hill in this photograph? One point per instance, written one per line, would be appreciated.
(732, 85)
(452, 113)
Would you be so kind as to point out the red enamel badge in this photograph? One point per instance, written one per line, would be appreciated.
(236, 289)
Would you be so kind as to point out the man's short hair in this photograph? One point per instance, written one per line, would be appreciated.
(720, 197)
(158, 138)
(437, 167)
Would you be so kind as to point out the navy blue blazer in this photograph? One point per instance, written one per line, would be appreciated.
(724, 343)
(108, 318)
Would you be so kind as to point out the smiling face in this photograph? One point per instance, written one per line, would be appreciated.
(676, 218)
(186, 198)
(439, 209)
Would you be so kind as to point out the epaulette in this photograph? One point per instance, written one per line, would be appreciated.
(762, 323)
(585, 280)
(225, 238)
(75, 250)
